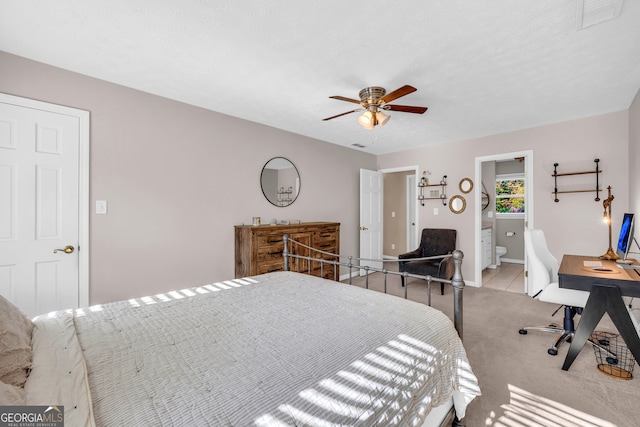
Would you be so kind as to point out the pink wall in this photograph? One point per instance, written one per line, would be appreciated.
(178, 178)
(574, 225)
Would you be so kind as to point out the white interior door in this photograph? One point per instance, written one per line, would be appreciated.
(371, 204)
(40, 214)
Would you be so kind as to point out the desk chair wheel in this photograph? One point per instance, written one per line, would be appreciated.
(553, 351)
(612, 360)
(522, 332)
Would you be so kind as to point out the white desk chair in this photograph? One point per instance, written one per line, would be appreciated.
(543, 285)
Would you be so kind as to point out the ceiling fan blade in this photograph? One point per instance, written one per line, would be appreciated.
(342, 98)
(404, 90)
(348, 112)
(406, 108)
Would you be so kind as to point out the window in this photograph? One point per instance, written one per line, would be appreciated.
(510, 195)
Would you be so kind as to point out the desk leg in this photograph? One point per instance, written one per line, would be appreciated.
(591, 315)
(603, 298)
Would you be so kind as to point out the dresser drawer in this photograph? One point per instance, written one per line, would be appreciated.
(270, 267)
(325, 240)
(269, 239)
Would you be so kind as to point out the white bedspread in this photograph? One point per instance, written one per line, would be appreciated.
(276, 349)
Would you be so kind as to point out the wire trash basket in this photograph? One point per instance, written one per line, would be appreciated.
(613, 356)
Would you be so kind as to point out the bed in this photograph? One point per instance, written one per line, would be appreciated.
(278, 349)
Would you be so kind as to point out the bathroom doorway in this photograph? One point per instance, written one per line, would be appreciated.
(493, 228)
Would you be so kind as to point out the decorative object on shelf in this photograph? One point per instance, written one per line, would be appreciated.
(485, 199)
(610, 255)
(466, 185)
(457, 204)
(280, 182)
(555, 176)
(424, 181)
(256, 220)
(435, 193)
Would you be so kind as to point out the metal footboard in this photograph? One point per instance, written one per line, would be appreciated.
(292, 256)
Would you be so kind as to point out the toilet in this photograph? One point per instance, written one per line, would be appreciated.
(500, 252)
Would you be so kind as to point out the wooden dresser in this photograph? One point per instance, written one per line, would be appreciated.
(258, 248)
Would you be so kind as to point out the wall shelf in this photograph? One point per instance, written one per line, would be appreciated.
(597, 189)
(285, 196)
(435, 191)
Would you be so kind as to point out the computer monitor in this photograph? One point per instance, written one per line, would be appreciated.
(626, 236)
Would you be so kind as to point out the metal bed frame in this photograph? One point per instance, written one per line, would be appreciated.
(321, 257)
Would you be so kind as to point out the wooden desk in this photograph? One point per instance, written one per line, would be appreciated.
(606, 290)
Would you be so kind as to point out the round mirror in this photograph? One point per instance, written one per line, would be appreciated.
(280, 181)
(457, 204)
(466, 185)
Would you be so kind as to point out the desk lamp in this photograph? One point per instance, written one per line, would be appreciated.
(610, 255)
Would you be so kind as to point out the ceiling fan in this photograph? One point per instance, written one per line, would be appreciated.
(375, 99)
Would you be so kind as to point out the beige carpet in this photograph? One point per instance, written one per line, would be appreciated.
(521, 384)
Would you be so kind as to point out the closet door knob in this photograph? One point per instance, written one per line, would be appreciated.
(67, 250)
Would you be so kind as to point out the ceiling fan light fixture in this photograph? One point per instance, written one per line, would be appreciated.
(382, 118)
(373, 100)
(367, 120)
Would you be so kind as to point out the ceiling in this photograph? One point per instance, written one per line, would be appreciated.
(481, 67)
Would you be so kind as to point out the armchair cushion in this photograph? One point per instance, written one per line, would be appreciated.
(434, 242)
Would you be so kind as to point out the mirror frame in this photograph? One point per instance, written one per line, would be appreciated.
(277, 203)
(485, 199)
(463, 184)
(455, 198)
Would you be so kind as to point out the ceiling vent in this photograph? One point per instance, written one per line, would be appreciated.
(359, 145)
(594, 12)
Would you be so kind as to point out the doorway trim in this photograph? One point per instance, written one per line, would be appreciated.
(83, 182)
(412, 211)
(529, 202)
(416, 169)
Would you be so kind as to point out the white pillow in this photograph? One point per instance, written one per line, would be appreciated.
(11, 395)
(15, 344)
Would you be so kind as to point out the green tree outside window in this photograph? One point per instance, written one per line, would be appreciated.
(510, 196)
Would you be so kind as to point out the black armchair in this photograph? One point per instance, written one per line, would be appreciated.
(434, 242)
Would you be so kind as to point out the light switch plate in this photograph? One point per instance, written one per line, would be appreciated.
(101, 207)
